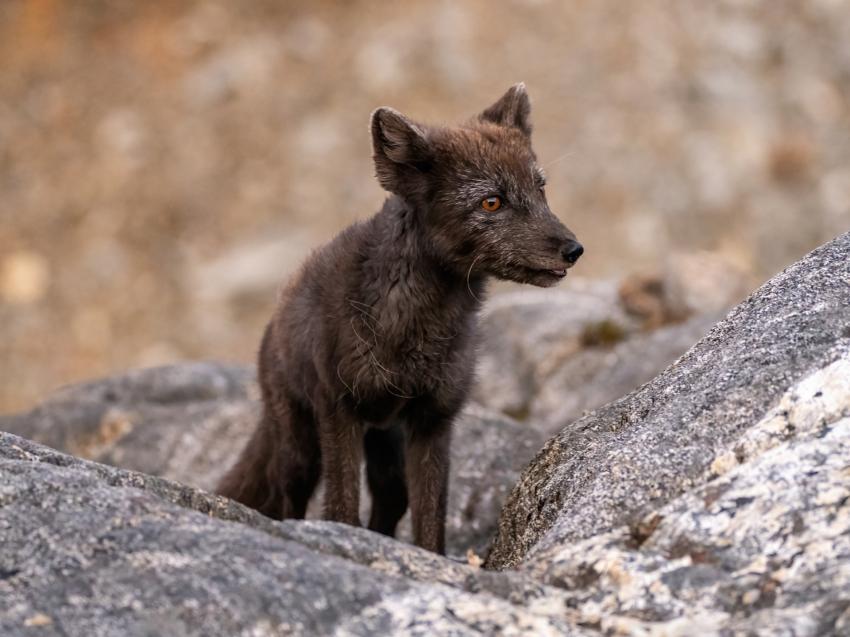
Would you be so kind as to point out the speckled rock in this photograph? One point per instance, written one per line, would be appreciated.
(93, 550)
(594, 376)
(612, 468)
(763, 546)
(183, 422)
(188, 422)
(526, 334)
(548, 356)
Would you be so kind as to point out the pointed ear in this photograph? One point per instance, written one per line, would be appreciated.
(399, 148)
(513, 109)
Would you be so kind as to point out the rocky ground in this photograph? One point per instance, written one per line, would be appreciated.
(711, 500)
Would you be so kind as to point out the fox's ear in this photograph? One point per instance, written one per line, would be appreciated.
(400, 149)
(512, 109)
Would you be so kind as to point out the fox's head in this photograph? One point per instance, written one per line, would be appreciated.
(479, 189)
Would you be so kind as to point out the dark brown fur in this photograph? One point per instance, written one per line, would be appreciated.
(371, 349)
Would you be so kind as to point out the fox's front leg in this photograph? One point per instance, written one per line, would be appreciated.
(427, 469)
(341, 436)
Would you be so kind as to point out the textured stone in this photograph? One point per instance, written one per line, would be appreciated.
(594, 376)
(93, 550)
(183, 422)
(763, 547)
(527, 334)
(542, 361)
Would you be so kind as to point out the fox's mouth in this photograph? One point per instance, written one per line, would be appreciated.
(540, 276)
(558, 273)
(543, 277)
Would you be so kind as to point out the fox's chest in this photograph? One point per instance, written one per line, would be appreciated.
(391, 381)
(408, 357)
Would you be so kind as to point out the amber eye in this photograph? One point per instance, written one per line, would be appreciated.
(491, 204)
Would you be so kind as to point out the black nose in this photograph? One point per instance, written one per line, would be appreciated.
(571, 251)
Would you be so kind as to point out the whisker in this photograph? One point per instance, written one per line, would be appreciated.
(468, 273)
(445, 338)
(559, 159)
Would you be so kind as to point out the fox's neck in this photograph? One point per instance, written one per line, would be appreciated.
(407, 270)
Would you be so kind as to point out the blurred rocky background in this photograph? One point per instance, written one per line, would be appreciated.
(164, 164)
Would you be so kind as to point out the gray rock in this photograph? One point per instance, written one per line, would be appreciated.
(762, 547)
(639, 454)
(93, 550)
(183, 422)
(527, 334)
(594, 376)
(188, 423)
(536, 364)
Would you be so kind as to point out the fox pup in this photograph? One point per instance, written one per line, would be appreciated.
(370, 351)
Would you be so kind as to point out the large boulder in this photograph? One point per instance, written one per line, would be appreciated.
(93, 550)
(549, 356)
(761, 546)
(527, 333)
(182, 422)
(719, 489)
